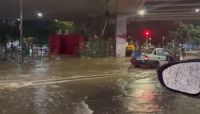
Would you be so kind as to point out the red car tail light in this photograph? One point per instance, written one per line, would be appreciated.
(146, 57)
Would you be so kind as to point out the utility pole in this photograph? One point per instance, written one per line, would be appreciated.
(147, 35)
(21, 30)
(163, 41)
(146, 43)
(149, 42)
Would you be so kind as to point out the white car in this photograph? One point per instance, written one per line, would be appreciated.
(153, 57)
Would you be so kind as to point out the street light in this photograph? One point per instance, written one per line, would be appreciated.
(141, 12)
(40, 15)
(56, 20)
(197, 10)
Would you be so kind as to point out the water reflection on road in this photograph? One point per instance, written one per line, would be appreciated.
(87, 86)
(40, 100)
(144, 95)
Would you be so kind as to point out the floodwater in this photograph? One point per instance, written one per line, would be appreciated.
(87, 86)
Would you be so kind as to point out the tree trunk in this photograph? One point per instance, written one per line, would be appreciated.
(5, 52)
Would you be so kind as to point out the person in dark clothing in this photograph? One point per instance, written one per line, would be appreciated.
(134, 57)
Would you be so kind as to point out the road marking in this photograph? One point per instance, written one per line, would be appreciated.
(16, 84)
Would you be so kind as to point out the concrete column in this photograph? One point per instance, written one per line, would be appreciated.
(121, 30)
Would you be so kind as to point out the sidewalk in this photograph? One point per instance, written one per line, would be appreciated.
(193, 52)
(193, 55)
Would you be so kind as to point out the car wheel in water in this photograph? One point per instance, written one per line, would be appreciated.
(136, 66)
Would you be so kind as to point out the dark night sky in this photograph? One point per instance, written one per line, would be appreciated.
(65, 8)
(68, 8)
(9, 9)
(157, 29)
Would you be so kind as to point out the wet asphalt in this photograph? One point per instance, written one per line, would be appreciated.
(87, 86)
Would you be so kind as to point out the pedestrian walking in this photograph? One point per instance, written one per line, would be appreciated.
(134, 57)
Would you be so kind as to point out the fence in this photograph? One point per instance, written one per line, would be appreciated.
(29, 53)
(99, 48)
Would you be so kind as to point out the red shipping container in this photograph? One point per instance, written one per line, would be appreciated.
(55, 44)
(67, 44)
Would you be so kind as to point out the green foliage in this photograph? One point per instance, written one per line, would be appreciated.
(95, 47)
(64, 26)
(8, 31)
(38, 30)
(186, 33)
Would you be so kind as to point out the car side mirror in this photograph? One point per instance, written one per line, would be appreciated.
(181, 76)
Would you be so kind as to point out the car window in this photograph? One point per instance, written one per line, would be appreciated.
(160, 52)
(147, 51)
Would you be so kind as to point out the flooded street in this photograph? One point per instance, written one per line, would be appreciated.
(87, 86)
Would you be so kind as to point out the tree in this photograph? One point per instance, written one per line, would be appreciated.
(186, 33)
(64, 26)
(8, 31)
(38, 30)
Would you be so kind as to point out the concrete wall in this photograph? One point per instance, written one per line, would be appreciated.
(121, 29)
